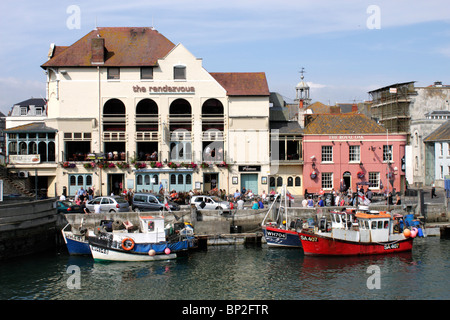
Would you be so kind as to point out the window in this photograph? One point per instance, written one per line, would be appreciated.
(290, 182)
(441, 175)
(298, 181)
(354, 154)
(327, 180)
(440, 147)
(179, 73)
(23, 111)
(114, 73)
(327, 153)
(387, 153)
(374, 179)
(147, 73)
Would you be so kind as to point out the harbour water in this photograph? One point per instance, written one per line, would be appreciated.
(235, 273)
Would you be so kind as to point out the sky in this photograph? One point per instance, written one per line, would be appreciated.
(347, 48)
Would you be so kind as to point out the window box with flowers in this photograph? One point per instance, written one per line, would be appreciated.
(223, 164)
(68, 165)
(204, 165)
(173, 165)
(360, 174)
(122, 165)
(89, 165)
(156, 164)
(140, 165)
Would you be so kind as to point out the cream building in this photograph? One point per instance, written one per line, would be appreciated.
(133, 110)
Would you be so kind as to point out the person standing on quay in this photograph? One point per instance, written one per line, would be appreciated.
(433, 191)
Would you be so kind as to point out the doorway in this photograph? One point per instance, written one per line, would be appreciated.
(347, 181)
(250, 182)
(210, 181)
(115, 183)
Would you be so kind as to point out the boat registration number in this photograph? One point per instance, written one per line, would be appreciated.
(101, 250)
(308, 238)
(391, 246)
(275, 234)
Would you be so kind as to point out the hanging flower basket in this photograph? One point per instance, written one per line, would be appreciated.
(360, 174)
(313, 174)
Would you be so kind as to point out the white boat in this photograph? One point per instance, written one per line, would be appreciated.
(152, 242)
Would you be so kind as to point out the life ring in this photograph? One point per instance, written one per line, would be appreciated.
(127, 244)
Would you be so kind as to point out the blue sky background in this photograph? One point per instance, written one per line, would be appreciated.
(343, 58)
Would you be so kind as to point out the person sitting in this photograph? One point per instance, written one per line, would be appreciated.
(236, 195)
(240, 204)
(255, 205)
(320, 203)
(261, 204)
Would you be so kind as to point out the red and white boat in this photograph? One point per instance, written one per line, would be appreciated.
(363, 233)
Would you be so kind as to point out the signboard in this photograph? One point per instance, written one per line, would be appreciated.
(24, 158)
(249, 168)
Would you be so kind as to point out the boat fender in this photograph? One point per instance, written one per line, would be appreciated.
(167, 251)
(407, 233)
(413, 232)
(127, 244)
(419, 232)
(151, 252)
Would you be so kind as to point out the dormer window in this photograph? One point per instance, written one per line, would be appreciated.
(179, 72)
(23, 111)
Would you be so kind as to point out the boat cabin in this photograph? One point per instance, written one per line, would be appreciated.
(152, 225)
(343, 219)
(374, 226)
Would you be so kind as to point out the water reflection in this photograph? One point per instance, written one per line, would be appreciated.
(235, 272)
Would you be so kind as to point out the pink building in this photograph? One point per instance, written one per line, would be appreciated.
(340, 150)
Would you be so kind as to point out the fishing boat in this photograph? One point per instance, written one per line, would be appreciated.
(361, 233)
(283, 232)
(152, 242)
(76, 239)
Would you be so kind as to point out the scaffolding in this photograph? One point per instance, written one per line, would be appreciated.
(391, 106)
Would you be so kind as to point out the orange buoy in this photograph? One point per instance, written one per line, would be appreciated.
(407, 233)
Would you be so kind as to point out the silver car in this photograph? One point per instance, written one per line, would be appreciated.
(108, 204)
(210, 203)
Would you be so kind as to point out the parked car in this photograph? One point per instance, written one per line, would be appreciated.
(210, 203)
(151, 202)
(109, 204)
(66, 206)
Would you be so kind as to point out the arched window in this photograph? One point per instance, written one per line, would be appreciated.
(147, 115)
(114, 112)
(298, 181)
(290, 182)
(279, 181)
(23, 148)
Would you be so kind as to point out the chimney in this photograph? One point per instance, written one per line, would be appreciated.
(98, 50)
